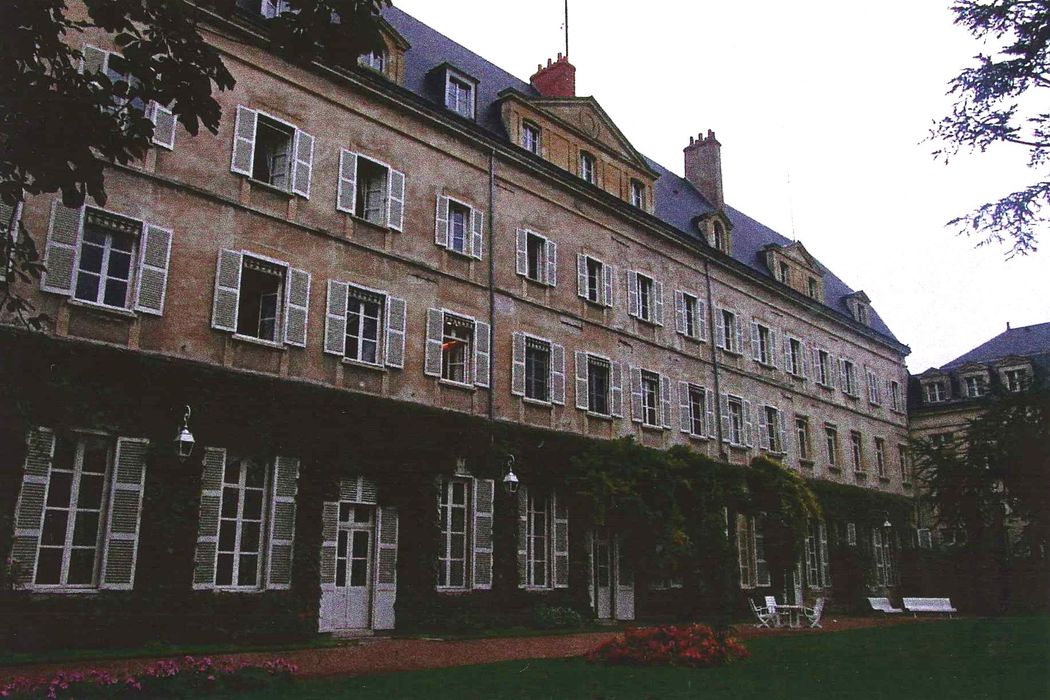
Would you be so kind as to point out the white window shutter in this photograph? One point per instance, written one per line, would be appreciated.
(346, 194)
(441, 222)
(243, 158)
(29, 511)
(679, 312)
(739, 327)
(763, 430)
(720, 329)
(395, 206)
(483, 505)
(560, 511)
(482, 353)
(63, 238)
(208, 523)
(154, 257)
(435, 337)
(658, 303)
(125, 511)
(558, 374)
(477, 227)
(773, 348)
(616, 390)
(787, 353)
(581, 275)
(329, 544)
(551, 250)
(582, 394)
(607, 284)
(756, 350)
(748, 426)
(665, 401)
(282, 523)
(636, 394)
(303, 157)
(701, 320)
(335, 319)
(633, 306)
(523, 535)
(386, 569)
(93, 60)
(396, 318)
(709, 413)
(825, 563)
(782, 431)
(227, 290)
(297, 307)
(10, 216)
(517, 367)
(522, 252)
(723, 405)
(685, 412)
(164, 123)
(843, 383)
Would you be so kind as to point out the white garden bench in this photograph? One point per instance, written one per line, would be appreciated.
(932, 605)
(883, 605)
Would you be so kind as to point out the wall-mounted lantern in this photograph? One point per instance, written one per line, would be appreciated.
(184, 439)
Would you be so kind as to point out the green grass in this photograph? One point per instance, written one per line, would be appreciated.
(985, 658)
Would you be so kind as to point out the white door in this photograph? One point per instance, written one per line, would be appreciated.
(623, 604)
(353, 567)
(602, 573)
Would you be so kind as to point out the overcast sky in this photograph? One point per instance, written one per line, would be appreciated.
(821, 107)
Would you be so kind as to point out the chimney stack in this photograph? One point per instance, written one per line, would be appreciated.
(556, 79)
(703, 167)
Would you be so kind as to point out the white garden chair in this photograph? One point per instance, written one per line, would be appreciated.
(766, 618)
(813, 614)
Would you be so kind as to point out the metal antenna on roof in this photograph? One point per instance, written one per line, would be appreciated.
(566, 30)
(791, 206)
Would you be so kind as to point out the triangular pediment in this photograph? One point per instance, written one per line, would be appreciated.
(797, 252)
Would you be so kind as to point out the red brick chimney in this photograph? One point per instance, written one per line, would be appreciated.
(703, 167)
(557, 79)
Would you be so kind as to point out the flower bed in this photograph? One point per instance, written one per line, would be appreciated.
(696, 646)
(186, 677)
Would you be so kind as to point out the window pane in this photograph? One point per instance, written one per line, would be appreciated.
(227, 535)
(96, 452)
(81, 566)
(253, 504)
(49, 566)
(55, 522)
(246, 572)
(344, 512)
(58, 490)
(224, 570)
(457, 544)
(256, 475)
(456, 574)
(90, 495)
(116, 293)
(230, 502)
(360, 544)
(340, 573)
(362, 515)
(358, 572)
(91, 255)
(250, 537)
(85, 530)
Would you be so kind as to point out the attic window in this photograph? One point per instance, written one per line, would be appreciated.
(861, 313)
(273, 8)
(637, 194)
(376, 60)
(530, 137)
(784, 272)
(459, 94)
(720, 237)
(812, 288)
(587, 167)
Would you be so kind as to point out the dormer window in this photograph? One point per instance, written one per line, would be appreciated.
(272, 8)
(936, 391)
(637, 194)
(720, 237)
(862, 314)
(376, 60)
(459, 94)
(976, 385)
(587, 171)
(1015, 379)
(530, 137)
(784, 273)
(812, 288)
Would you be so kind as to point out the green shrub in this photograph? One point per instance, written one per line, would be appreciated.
(548, 618)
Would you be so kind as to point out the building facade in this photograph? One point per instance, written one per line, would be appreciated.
(377, 272)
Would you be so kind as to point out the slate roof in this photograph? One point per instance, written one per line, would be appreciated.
(678, 203)
(1023, 341)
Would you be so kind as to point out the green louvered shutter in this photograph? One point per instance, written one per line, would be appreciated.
(125, 514)
(282, 522)
(484, 498)
(208, 525)
(29, 513)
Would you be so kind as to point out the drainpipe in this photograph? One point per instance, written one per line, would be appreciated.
(492, 288)
(714, 361)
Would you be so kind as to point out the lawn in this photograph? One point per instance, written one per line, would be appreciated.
(986, 658)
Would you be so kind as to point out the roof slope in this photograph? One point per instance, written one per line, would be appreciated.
(1027, 340)
(678, 203)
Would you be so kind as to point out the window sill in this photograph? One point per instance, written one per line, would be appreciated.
(652, 428)
(537, 282)
(272, 188)
(596, 304)
(834, 470)
(738, 446)
(537, 402)
(103, 308)
(884, 479)
(701, 438)
(825, 387)
(796, 377)
(363, 365)
(457, 385)
(807, 463)
(461, 253)
(874, 404)
(851, 397)
(600, 416)
(647, 321)
(693, 338)
(236, 589)
(764, 365)
(272, 344)
(452, 590)
(537, 589)
(383, 227)
(860, 475)
(906, 485)
(57, 590)
(731, 353)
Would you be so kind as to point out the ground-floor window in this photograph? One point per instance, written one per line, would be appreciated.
(751, 552)
(543, 539)
(818, 570)
(241, 523)
(882, 553)
(453, 509)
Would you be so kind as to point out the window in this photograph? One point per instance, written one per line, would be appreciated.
(813, 288)
(107, 254)
(260, 298)
(645, 297)
(874, 395)
(537, 369)
(824, 369)
(862, 313)
(883, 557)
(10, 216)
(453, 508)
(831, 437)
(637, 194)
(116, 70)
(273, 8)
(365, 325)
(371, 190)
(896, 398)
(720, 237)
(364, 309)
(537, 257)
(689, 315)
(735, 420)
(272, 151)
(530, 137)
(459, 227)
(976, 385)
(784, 273)
(262, 286)
(459, 94)
(851, 534)
(750, 542)
(594, 280)
(763, 344)
(880, 456)
(771, 426)
(241, 537)
(730, 332)
(376, 60)
(848, 372)
(940, 440)
(1015, 379)
(598, 385)
(903, 464)
(802, 436)
(650, 398)
(695, 410)
(818, 566)
(458, 349)
(856, 450)
(543, 540)
(598, 375)
(352, 547)
(935, 391)
(587, 171)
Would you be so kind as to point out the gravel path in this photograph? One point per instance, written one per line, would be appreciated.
(385, 655)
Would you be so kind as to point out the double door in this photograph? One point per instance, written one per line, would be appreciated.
(351, 600)
(612, 579)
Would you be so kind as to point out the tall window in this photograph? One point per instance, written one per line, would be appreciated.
(883, 556)
(691, 321)
(353, 550)
(697, 410)
(593, 280)
(364, 309)
(273, 152)
(645, 298)
(902, 464)
(849, 377)
(536, 257)
(537, 541)
(802, 436)
(736, 420)
(762, 343)
(453, 509)
(372, 196)
(530, 137)
(537, 369)
(637, 194)
(241, 523)
(935, 392)
(750, 541)
(720, 238)
(1016, 379)
(261, 299)
(376, 60)
(796, 364)
(598, 376)
(824, 368)
(874, 395)
(107, 253)
(650, 398)
(896, 397)
(818, 568)
(73, 513)
(784, 273)
(831, 438)
(880, 456)
(856, 450)
(459, 95)
(456, 350)
(772, 422)
(458, 227)
(812, 288)
(587, 170)
(976, 386)
(729, 331)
